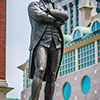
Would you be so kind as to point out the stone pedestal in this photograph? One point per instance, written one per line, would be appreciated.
(4, 89)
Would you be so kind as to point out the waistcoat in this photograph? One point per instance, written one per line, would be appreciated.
(51, 34)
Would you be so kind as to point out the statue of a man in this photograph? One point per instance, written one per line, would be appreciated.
(46, 47)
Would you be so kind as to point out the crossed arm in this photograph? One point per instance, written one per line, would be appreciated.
(40, 15)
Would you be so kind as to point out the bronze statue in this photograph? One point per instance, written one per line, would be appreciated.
(46, 47)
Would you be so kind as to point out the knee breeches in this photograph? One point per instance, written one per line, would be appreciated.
(46, 61)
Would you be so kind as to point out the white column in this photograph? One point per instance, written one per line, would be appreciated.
(68, 22)
(96, 52)
(74, 14)
(76, 58)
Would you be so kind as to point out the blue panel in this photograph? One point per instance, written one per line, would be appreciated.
(63, 67)
(63, 56)
(63, 72)
(86, 85)
(72, 53)
(93, 27)
(63, 62)
(90, 51)
(74, 68)
(23, 72)
(85, 65)
(65, 27)
(98, 25)
(60, 68)
(99, 48)
(88, 47)
(82, 66)
(66, 66)
(79, 50)
(23, 87)
(75, 35)
(90, 62)
(81, 60)
(66, 60)
(60, 73)
(71, 69)
(74, 63)
(87, 52)
(99, 54)
(84, 53)
(99, 60)
(85, 48)
(74, 57)
(71, 64)
(68, 70)
(79, 67)
(84, 59)
(69, 54)
(69, 60)
(79, 34)
(79, 56)
(99, 42)
(93, 56)
(66, 55)
(67, 91)
(93, 50)
(91, 45)
(93, 61)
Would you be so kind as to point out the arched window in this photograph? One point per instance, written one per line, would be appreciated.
(86, 85)
(77, 34)
(96, 26)
(67, 91)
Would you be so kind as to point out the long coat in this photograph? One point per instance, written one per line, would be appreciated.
(39, 19)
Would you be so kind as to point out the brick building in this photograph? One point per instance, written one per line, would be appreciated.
(79, 74)
(4, 89)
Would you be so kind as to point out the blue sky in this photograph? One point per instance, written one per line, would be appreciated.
(18, 39)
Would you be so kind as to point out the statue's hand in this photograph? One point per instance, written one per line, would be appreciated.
(58, 22)
(48, 11)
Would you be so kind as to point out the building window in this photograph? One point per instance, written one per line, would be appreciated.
(77, 34)
(98, 6)
(96, 26)
(86, 56)
(29, 81)
(67, 91)
(65, 8)
(86, 85)
(77, 13)
(99, 51)
(71, 17)
(68, 63)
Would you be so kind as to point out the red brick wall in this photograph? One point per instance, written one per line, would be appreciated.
(2, 38)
